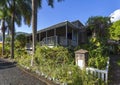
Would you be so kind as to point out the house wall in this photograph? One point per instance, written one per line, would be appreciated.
(50, 33)
(82, 36)
(61, 31)
(78, 24)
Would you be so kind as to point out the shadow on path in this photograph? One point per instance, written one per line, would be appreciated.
(114, 72)
(6, 64)
(10, 74)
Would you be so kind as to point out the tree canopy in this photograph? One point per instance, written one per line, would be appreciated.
(98, 25)
(114, 31)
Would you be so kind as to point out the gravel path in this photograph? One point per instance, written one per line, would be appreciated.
(12, 75)
(114, 73)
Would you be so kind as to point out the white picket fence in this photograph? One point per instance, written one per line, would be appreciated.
(101, 74)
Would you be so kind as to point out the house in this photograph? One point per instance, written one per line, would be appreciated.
(64, 34)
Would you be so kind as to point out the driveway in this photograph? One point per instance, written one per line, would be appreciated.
(114, 72)
(12, 75)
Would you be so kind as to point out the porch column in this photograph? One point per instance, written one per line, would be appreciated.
(30, 38)
(39, 37)
(77, 37)
(56, 41)
(55, 32)
(46, 37)
(72, 34)
(66, 34)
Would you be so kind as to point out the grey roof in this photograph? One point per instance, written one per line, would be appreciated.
(59, 25)
(71, 24)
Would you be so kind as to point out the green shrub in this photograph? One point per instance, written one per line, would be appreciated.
(98, 52)
(22, 57)
(59, 55)
(58, 63)
(118, 62)
(7, 49)
(0, 49)
(98, 62)
(20, 40)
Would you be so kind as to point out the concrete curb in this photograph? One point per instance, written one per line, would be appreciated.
(27, 71)
(44, 80)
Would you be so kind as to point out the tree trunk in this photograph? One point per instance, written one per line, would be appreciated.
(34, 27)
(3, 36)
(12, 32)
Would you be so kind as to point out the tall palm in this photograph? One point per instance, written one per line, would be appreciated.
(3, 15)
(23, 8)
(18, 9)
(3, 28)
(99, 25)
(35, 5)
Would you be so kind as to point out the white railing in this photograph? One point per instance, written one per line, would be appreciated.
(69, 41)
(101, 74)
(58, 40)
(50, 41)
(62, 41)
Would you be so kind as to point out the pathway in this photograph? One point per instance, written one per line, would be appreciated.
(12, 75)
(114, 72)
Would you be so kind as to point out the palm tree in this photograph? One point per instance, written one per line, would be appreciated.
(99, 25)
(35, 5)
(3, 15)
(18, 9)
(24, 9)
(3, 28)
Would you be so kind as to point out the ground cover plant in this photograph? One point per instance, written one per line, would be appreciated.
(58, 63)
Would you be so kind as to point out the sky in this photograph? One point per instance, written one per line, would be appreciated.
(72, 10)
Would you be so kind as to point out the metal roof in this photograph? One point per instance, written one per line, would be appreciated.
(58, 25)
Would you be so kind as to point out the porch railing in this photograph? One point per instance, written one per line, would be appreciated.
(57, 40)
(50, 41)
(101, 74)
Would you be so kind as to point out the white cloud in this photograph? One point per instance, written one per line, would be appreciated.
(115, 16)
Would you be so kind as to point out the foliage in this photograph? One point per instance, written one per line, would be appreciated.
(7, 47)
(20, 41)
(57, 63)
(114, 31)
(98, 62)
(22, 57)
(0, 48)
(119, 49)
(7, 39)
(98, 52)
(118, 62)
(19, 46)
(57, 54)
(114, 49)
(98, 25)
(16, 10)
(35, 5)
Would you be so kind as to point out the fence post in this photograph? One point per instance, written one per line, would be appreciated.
(81, 58)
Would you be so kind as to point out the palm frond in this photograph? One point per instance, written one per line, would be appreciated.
(50, 3)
